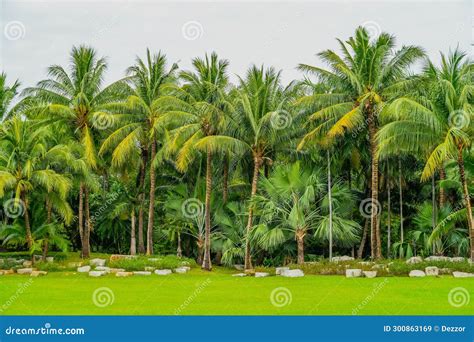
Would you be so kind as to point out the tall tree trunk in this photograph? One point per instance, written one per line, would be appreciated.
(330, 205)
(376, 243)
(434, 209)
(467, 200)
(80, 215)
(151, 209)
(29, 236)
(442, 194)
(86, 248)
(360, 251)
(179, 250)
(389, 221)
(300, 241)
(225, 180)
(206, 263)
(49, 215)
(401, 199)
(141, 198)
(133, 239)
(200, 245)
(256, 168)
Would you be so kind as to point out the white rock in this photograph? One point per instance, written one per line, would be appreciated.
(462, 275)
(38, 273)
(279, 270)
(163, 272)
(457, 259)
(414, 260)
(97, 273)
(97, 262)
(353, 273)
(83, 269)
(181, 270)
(103, 268)
(123, 274)
(261, 274)
(370, 274)
(49, 259)
(342, 258)
(292, 273)
(24, 270)
(432, 271)
(142, 273)
(116, 270)
(27, 263)
(239, 275)
(416, 274)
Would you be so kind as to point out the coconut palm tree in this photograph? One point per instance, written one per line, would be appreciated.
(138, 129)
(27, 167)
(74, 99)
(367, 75)
(436, 122)
(197, 111)
(7, 94)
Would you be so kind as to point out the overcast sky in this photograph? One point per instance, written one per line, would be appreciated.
(38, 33)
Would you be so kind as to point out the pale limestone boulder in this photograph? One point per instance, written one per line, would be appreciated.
(163, 272)
(84, 269)
(261, 274)
(432, 271)
(142, 273)
(123, 274)
(38, 273)
(292, 273)
(97, 262)
(457, 274)
(27, 263)
(239, 275)
(416, 274)
(181, 270)
(279, 270)
(96, 274)
(24, 270)
(353, 273)
(370, 274)
(342, 258)
(103, 269)
(414, 260)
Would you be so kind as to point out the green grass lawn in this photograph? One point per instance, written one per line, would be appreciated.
(217, 293)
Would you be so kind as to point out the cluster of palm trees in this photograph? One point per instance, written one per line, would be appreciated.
(269, 171)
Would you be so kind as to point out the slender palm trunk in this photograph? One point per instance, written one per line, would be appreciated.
(442, 194)
(151, 209)
(29, 236)
(300, 242)
(360, 251)
(401, 199)
(256, 169)
(81, 213)
(86, 249)
(389, 221)
(434, 209)
(330, 204)
(141, 198)
(49, 215)
(225, 180)
(206, 263)
(179, 250)
(467, 200)
(376, 244)
(200, 245)
(133, 239)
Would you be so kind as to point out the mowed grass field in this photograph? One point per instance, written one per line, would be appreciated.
(218, 293)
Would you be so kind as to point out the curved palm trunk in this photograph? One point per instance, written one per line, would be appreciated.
(256, 169)
(86, 248)
(360, 251)
(442, 194)
(376, 244)
(200, 245)
(133, 240)
(467, 200)
(80, 214)
(151, 209)
(141, 198)
(179, 250)
(206, 263)
(300, 234)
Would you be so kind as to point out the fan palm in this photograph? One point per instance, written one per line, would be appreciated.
(368, 74)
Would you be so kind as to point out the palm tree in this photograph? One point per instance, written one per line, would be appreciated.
(139, 128)
(7, 94)
(74, 100)
(198, 109)
(367, 75)
(439, 115)
(27, 167)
